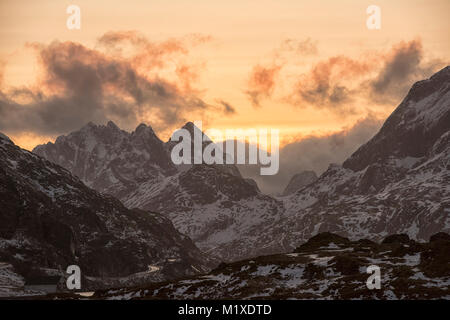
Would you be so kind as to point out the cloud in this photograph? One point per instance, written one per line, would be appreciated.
(402, 66)
(383, 78)
(342, 84)
(327, 84)
(261, 83)
(314, 153)
(2, 72)
(263, 78)
(80, 84)
(156, 55)
(299, 47)
(227, 108)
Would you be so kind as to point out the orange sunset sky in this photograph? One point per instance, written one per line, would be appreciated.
(303, 67)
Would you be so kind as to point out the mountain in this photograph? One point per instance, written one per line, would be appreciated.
(111, 160)
(398, 182)
(327, 266)
(212, 204)
(298, 181)
(413, 128)
(50, 220)
(193, 130)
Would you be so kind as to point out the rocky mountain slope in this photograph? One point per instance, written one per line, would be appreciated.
(398, 182)
(299, 181)
(50, 219)
(328, 266)
(212, 204)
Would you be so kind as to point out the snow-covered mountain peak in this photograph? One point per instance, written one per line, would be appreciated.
(413, 128)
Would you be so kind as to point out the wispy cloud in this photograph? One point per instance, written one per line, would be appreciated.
(340, 83)
(262, 83)
(300, 47)
(227, 108)
(263, 78)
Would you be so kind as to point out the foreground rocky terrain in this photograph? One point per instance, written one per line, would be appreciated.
(327, 266)
(50, 220)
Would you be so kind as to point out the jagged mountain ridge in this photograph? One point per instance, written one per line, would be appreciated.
(212, 204)
(389, 185)
(400, 188)
(414, 126)
(50, 220)
(111, 160)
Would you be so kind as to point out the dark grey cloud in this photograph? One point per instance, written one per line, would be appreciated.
(382, 78)
(404, 65)
(80, 84)
(314, 153)
(329, 84)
